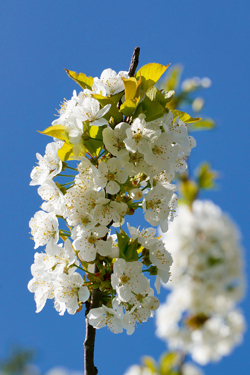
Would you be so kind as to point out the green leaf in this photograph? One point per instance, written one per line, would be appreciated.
(95, 143)
(167, 362)
(82, 80)
(127, 251)
(56, 131)
(158, 96)
(206, 176)
(131, 251)
(184, 116)
(150, 74)
(115, 98)
(114, 112)
(123, 241)
(204, 124)
(152, 109)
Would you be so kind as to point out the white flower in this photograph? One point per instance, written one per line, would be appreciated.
(127, 278)
(163, 153)
(113, 139)
(48, 166)
(66, 110)
(89, 242)
(42, 284)
(70, 291)
(44, 228)
(90, 111)
(107, 211)
(63, 257)
(157, 205)
(145, 237)
(54, 197)
(139, 137)
(162, 259)
(110, 83)
(110, 175)
(134, 163)
(136, 315)
(104, 316)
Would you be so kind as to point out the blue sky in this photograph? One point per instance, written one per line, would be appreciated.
(40, 39)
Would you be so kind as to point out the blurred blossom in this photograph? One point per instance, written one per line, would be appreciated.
(207, 280)
(192, 84)
(190, 369)
(62, 371)
(138, 370)
(206, 82)
(198, 104)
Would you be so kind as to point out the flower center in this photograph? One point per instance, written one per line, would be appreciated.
(124, 279)
(110, 176)
(92, 239)
(85, 220)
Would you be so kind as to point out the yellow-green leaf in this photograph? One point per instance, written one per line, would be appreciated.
(150, 74)
(152, 109)
(131, 87)
(65, 152)
(56, 131)
(95, 143)
(81, 78)
(129, 106)
(162, 97)
(150, 363)
(96, 132)
(206, 176)
(173, 78)
(114, 112)
(185, 117)
(168, 361)
(189, 190)
(204, 124)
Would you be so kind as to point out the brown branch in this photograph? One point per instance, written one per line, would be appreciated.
(134, 62)
(89, 343)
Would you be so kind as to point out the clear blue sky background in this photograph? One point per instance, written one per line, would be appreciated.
(41, 38)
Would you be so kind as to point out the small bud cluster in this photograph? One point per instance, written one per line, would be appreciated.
(200, 315)
(126, 161)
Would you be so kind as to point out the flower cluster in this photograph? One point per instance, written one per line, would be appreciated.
(200, 315)
(128, 145)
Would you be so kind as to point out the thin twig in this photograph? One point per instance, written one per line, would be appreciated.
(134, 62)
(89, 343)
